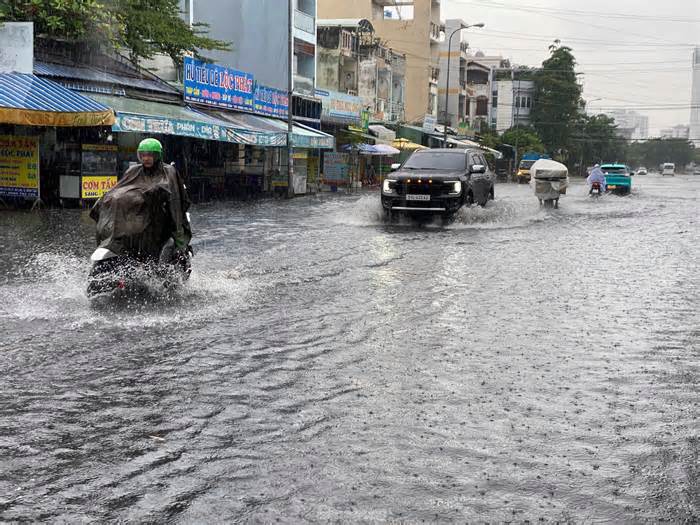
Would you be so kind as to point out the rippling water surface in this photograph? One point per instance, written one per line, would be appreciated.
(519, 364)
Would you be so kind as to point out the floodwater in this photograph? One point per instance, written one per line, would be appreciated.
(321, 365)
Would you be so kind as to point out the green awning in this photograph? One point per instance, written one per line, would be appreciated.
(143, 116)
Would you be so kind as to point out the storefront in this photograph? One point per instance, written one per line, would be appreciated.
(42, 126)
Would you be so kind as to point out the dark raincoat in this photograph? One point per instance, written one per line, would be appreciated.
(145, 209)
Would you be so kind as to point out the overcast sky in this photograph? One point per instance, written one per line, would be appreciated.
(634, 54)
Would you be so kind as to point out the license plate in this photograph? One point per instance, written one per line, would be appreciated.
(612, 187)
(411, 197)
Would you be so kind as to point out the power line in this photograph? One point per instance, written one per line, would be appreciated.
(578, 12)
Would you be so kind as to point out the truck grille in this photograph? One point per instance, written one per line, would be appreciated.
(436, 188)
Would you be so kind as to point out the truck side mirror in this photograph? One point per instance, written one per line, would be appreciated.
(395, 166)
(477, 168)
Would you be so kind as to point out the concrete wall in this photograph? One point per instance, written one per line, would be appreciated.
(257, 30)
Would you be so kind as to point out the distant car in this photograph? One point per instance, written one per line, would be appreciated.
(618, 178)
(696, 171)
(668, 168)
(438, 182)
(642, 171)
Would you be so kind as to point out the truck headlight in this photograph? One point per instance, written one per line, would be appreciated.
(456, 187)
(387, 186)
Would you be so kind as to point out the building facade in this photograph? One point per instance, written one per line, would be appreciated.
(630, 124)
(351, 60)
(410, 27)
(676, 132)
(512, 99)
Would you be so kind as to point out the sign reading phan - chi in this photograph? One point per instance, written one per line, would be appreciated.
(19, 166)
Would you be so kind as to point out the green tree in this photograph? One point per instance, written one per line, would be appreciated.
(557, 101)
(143, 28)
(526, 139)
(594, 140)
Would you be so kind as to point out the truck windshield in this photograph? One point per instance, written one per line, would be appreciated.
(436, 160)
(613, 169)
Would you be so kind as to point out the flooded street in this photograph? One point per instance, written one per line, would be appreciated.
(321, 365)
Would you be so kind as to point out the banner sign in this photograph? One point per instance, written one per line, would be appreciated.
(336, 168)
(218, 86)
(270, 101)
(201, 130)
(340, 107)
(19, 166)
(429, 122)
(95, 187)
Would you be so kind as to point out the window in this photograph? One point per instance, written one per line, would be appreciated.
(435, 160)
(494, 101)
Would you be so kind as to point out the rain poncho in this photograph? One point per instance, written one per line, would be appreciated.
(596, 175)
(145, 209)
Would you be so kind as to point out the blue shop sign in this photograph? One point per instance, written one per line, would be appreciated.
(218, 86)
(270, 101)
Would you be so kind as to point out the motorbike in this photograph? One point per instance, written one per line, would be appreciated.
(595, 190)
(115, 277)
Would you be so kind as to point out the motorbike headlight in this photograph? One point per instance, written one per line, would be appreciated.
(387, 187)
(456, 187)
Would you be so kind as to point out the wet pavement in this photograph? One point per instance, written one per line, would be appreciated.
(321, 365)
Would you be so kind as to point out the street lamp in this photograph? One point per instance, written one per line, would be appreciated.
(447, 90)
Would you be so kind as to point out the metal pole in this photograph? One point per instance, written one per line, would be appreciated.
(447, 90)
(290, 90)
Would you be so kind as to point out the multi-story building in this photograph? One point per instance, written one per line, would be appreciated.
(411, 27)
(454, 56)
(512, 96)
(351, 60)
(695, 100)
(267, 58)
(676, 132)
(630, 124)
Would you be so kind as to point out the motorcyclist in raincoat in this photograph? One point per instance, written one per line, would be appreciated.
(596, 175)
(145, 209)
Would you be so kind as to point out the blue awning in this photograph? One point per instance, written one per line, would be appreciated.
(32, 101)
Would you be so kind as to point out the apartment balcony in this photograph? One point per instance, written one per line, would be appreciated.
(462, 87)
(396, 112)
(304, 27)
(434, 74)
(435, 31)
(348, 42)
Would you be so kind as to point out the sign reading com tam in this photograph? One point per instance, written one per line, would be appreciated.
(19, 166)
(96, 187)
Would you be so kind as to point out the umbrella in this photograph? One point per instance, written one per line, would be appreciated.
(379, 149)
(406, 144)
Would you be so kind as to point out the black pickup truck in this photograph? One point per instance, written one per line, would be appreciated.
(438, 182)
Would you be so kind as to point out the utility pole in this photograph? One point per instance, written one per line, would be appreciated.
(290, 90)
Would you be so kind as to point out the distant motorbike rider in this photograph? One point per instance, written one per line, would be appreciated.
(145, 209)
(596, 175)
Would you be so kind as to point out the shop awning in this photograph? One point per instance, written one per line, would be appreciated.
(32, 101)
(385, 134)
(143, 116)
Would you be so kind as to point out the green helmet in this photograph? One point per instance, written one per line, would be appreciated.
(150, 146)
